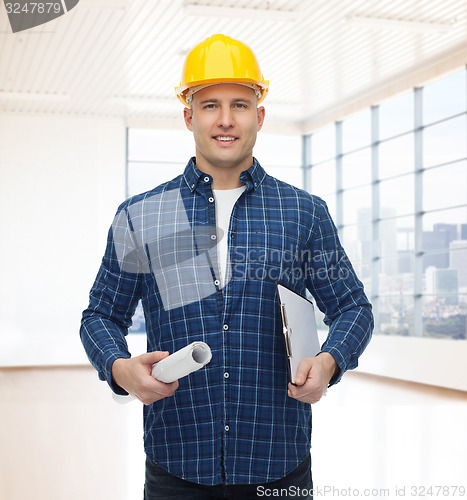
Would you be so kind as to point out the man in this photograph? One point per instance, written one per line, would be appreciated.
(204, 253)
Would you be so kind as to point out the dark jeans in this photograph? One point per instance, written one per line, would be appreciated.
(161, 485)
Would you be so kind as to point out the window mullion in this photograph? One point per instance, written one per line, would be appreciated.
(339, 178)
(418, 208)
(375, 215)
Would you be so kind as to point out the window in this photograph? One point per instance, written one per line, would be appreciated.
(281, 156)
(356, 132)
(445, 98)
(356, 168)
(400, 176)
(156, 156)
(323, 145)
(396, 116)
(396, 156)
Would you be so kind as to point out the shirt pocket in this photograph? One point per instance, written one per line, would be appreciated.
(270, 253)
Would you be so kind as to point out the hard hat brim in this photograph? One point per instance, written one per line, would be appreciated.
(263, 85)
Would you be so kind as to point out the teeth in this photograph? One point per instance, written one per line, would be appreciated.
(225, 138)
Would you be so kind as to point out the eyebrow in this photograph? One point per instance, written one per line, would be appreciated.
(237, 99)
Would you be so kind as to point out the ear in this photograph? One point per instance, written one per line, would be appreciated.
(261, 113)
(188, 116)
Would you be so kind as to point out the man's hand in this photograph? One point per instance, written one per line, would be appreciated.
(313, 377)
(134, 375)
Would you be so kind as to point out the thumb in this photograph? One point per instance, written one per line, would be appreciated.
(302, 371)
(153, 357)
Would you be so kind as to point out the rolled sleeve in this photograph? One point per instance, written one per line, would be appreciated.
(339, 294)
(112, 303)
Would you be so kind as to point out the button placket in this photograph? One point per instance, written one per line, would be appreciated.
(225, 328)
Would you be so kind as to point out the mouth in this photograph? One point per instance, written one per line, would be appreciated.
(227, 139)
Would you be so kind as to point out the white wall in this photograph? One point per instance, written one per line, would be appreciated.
(61, 180)
(438, 362)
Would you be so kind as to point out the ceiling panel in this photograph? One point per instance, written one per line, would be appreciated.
(123, 58)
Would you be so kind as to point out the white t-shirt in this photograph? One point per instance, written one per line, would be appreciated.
(225, 201)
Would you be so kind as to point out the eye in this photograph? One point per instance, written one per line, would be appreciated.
(240, 105)
(209, 106)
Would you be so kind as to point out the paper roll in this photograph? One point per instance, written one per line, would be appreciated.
(179, 364)
(183, 362)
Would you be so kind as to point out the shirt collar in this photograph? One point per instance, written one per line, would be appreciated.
(252, 177)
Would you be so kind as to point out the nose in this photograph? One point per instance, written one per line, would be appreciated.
(225, 117)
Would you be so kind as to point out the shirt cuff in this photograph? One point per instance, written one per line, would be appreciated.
(106, 373)
(340, 356)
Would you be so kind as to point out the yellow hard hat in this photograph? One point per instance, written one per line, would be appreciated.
(221, 59)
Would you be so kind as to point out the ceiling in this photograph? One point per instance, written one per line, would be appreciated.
(323, 58)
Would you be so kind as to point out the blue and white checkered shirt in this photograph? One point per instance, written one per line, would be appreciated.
(231, 422)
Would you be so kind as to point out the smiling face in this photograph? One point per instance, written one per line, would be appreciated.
(224, 120)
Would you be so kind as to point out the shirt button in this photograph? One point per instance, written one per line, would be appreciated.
(217, 282)
(226, 375)
(206, 179)
(213, 236)
(225, 327)
(226, 428)
(211, 199)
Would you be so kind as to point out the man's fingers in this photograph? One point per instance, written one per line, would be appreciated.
(308, 393)
(166, 389)
(156, 390)
(134, 375)
(153, 357)
(303, 370)
(304, 390)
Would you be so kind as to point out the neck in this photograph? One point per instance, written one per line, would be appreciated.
(225, 182)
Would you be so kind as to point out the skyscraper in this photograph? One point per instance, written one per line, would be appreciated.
(458, 259)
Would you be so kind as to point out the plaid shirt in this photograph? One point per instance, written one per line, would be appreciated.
(231, 422)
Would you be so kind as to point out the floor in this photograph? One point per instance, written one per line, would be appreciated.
(64, 437)
(390, 438)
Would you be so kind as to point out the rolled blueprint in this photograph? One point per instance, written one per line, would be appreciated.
(179, 364)
(183, 362)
